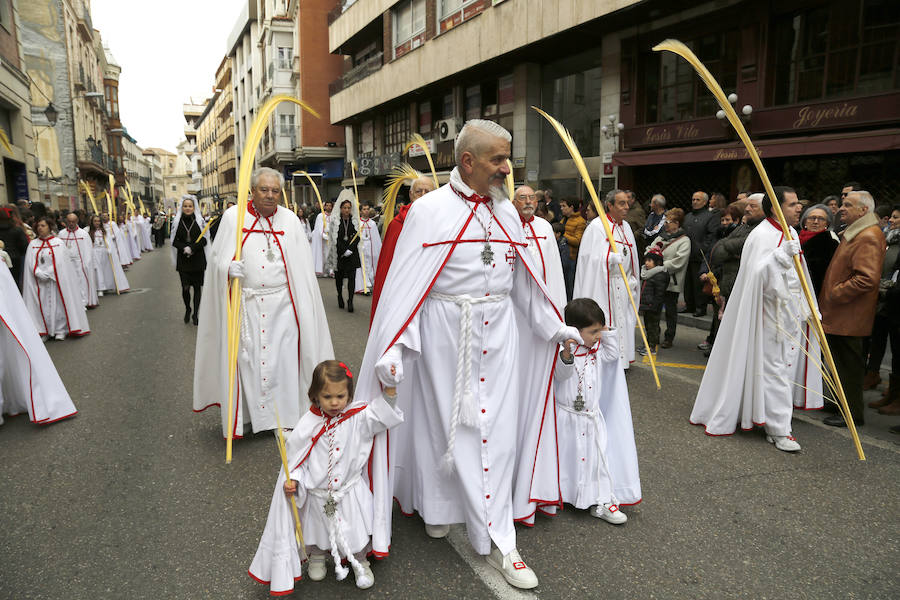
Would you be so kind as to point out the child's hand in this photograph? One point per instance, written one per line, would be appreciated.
(290, 487)
(567, 347)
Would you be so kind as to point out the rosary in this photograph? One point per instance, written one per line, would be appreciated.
(579, 398)
(330, 502)
(270, 255)
(487, 253)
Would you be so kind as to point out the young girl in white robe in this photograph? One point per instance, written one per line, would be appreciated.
(328, 455)
(597, 457)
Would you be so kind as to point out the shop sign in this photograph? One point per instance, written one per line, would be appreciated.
(822, 116)
(674, 133)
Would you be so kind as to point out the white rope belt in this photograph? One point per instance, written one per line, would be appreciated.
(248, 294)
(594, 416)
(464, 410)
(335, 534)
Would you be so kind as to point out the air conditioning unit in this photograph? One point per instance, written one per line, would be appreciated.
(447, 129)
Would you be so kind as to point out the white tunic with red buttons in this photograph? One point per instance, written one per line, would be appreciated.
(369, 250)
(437, 265)
(79, 245)
(594, 278)
(283, 334)
(759, 367)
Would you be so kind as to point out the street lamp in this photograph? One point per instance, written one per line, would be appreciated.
(51, 114)
(744, 115)
(613, 129)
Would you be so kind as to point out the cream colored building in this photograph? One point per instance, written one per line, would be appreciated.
(226, 157)
(208, 149)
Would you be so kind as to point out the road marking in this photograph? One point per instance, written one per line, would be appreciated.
(646, 361)
(488, 575)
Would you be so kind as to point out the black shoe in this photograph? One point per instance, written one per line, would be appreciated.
(350, 305)
(700, 313)
(195, 319)
(838, 421)
(685, 310)
(340, 302)
(666, 344)
(187, 316)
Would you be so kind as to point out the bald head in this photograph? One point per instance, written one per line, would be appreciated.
(525, 202)
(420, 187)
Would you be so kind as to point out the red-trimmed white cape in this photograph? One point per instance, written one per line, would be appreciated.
(55, 306)
(28, 379)
(78, 243)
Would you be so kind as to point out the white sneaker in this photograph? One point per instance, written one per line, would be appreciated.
(437, 531)
(367, 580)
(59, 337)
(513, 568)
(316, 567)
(99, 294)
(609, 512)
(785, 443)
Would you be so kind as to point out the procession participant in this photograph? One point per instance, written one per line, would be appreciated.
(304, 223)
(50, 286)
(78, 243)
(758, 369)
(147, 242)
(328, 457)
(369, 249)
(16, 241)
(459, 267)
(598, 275)
(126, 224)
(533, 478)
(598, 466)
(342, 258)
(283, 331)
(189, 254)
(320, 239)
(159, 229)
(417, 189)
(121, 243)
(110, 275)
(28, 379)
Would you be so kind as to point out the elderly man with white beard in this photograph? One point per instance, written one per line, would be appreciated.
(79, 245)
(443, 332)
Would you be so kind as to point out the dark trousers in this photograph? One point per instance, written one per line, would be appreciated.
(714, 326)
(851, 368)
(691, 287)
(339, 276)
(651, 325)
(671, 307)
(877, 343)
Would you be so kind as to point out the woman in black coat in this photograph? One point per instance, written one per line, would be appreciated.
(818, 242)
(190, 256)
(347, 254)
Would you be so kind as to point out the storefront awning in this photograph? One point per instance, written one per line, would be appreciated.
(836, 143)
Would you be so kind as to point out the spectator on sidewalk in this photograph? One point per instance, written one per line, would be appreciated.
(701, 225)
(637, 218)
(656, 219)
(574, 224)
(676, 250)
(881, 326)
(654, 281)
(849, 296)
(818, 242)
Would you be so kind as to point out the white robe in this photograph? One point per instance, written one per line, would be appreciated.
(369, 251)
(305, 225)
(536, 484)
(78, 243)
(597, 455)
(134, 242)
(277, 559)
(416, 312)
(51, 290)
(114, 232)
(28, 379)
(595, 279)
(320, 244)
(284, 334)
(110, 275)
(144, 233)
(758, 368)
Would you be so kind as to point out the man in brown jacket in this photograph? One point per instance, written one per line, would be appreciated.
(849, 295)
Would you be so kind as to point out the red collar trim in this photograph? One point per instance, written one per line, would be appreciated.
(474, 197)
(774, 223)
(528, 221)
(592, 350)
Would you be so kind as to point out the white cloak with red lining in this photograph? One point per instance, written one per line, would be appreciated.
(55, 304)
(759, 367)
(284, 334)
(78, 243)
(439, 251)
(537, 415)
(110, 274)
(369, 251)
(594, 280)
(114, 233)
(28, 379)
(319, 243)
(277, 559)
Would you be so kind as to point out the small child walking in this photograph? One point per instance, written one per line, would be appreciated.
(328, 454)
(597, 456)
(654, 281)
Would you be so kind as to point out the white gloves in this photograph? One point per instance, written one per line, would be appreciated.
(43, 275)
(325, 232)
(392, 358)
(614, 259)
(347, 253)
(187, 251)
(236, 269)
(791, 247)
(566, 333)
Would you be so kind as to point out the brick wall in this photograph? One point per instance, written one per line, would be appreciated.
(9, 49)
(318, 68)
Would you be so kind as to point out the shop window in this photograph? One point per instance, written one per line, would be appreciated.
(473, 102)
(408, 26)
(844, 48)
(396, 130)
(6, 121)
(285, 56)
(424, 109)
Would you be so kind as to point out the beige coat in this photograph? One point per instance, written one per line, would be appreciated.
(850, 288)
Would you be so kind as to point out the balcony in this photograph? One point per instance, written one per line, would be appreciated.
(85, 25)
(371, 65)
(339, 10)
(91, 157)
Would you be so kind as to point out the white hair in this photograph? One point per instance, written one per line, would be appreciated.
(659, 199)
(865, 199)
(468, 137)
(254, 177)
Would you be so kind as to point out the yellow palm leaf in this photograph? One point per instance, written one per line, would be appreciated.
(399, 176)
(417, 140)
(4, 139)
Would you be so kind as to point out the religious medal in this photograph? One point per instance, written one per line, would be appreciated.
(42, 260)
(270, 256)
(487, 254)
(579, 403)
(330, 506)
(625, 251)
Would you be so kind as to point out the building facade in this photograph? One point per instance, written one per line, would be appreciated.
(18, 178)
(226, 157)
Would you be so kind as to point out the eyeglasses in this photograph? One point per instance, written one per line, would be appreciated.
(267, 190)
(527, 196)
(816, 218)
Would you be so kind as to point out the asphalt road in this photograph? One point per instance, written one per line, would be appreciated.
(133, 499)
